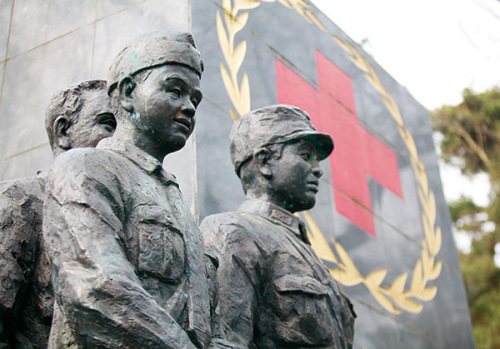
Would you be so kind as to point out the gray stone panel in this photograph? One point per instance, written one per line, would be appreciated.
(111, 7)
(5, 15)
(115, 30)
(38, 22)
(31, 79)
(27, 163)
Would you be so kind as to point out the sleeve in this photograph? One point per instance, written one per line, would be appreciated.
(238, 272)
(94, 283)
(20, 219)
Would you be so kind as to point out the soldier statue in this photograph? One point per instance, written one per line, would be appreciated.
(274, 290)
(79, 116)
(129, 265)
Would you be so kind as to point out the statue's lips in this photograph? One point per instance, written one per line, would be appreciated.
(313, 185)
(184, 123)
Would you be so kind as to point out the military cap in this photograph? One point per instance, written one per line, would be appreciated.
(272, 125)
(152, 50)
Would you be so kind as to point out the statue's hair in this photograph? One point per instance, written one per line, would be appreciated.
(68, 103)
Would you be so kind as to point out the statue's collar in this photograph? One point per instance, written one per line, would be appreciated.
(146, 162)
(276, 215)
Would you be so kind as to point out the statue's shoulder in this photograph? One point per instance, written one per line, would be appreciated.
(21, 188)
(81, 156)
(83, 162)
(227, 228)
(224, 222)
(78, 172)
(221, 218)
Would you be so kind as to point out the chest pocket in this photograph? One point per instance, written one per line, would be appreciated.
(161, 251)
(301, 308)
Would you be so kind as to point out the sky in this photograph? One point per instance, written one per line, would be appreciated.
(434, 48)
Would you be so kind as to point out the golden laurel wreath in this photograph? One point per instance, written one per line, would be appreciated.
(393, 298)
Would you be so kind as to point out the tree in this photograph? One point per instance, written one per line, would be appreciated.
(471, 140)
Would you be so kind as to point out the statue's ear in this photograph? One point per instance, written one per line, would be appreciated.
(261, 160)
(126, 87)
(61, 126)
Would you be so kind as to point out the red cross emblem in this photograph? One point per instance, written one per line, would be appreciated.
(357, 152)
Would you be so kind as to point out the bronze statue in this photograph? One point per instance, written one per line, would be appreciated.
(129, 266)
(275, 292)
(79, 116)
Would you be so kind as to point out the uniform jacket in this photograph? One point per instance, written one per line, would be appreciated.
(128, 259)
(274, 290)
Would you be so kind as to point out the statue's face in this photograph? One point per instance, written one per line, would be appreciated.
(164, 107)
(295, 177)
(95, 120)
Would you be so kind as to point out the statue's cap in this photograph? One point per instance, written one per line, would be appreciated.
(271, 125)
(152, 50)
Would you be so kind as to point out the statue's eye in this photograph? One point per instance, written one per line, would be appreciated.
(305, 155)
(176, 92)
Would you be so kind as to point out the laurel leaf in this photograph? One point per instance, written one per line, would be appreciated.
(410, 144)
(372, 75)
(245, 5)
(432, 207)
(340, 42)
(244, 103)
(405, 134)
(427, 227)
(436, 270)
(228, 84)
(399, 284)
(233, 115)
(346, 278)
(239, 55)
(344, 257)
(427, 261)
(422, 176)
(427, 294)
(436, 246)
(393, 109)
(375, 278)
(318, 240)
(286, 3)
(312, 18)
(384, 301)
(423, 199)
(223, 41)
(226, 6)
(239, 23)
(416, 279)
(410, 305)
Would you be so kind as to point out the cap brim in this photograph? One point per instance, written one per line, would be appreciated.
(322, 141)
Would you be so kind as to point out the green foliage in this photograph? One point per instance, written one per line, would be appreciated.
(471, 139)
(470, 131)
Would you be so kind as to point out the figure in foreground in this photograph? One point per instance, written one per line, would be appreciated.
(79, 116)
(129, 268)
(275, 292)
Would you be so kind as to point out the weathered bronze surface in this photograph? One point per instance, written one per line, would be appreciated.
(275, 292)
(79, 116)
(129, 266)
